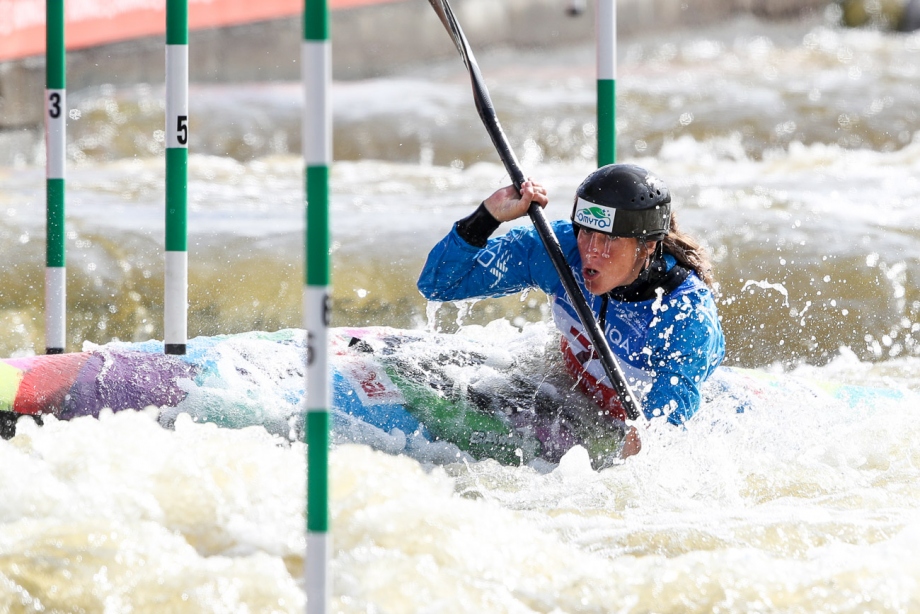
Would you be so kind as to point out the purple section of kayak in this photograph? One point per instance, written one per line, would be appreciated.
(555, 437)
(126, 380)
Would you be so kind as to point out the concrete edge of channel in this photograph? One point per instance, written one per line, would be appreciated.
(368, 41)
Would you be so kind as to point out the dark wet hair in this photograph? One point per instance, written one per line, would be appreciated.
(688, 252)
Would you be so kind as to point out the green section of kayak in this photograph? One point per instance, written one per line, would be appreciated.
(481, 434)
(601, 443)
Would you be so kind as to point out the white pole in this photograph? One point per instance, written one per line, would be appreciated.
(175, 300)
(606, 81)
(316, 64)
(55, 142)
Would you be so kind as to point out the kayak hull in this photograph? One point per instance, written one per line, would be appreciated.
(387, 384)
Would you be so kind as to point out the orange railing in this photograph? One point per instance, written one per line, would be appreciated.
(22, 22)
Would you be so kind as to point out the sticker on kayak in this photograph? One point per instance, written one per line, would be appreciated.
(371, 383)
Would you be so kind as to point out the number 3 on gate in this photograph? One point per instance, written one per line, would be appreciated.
(54, 105)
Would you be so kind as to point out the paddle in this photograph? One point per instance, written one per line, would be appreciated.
(550, 242)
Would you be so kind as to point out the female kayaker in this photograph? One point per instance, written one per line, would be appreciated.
(648, 284)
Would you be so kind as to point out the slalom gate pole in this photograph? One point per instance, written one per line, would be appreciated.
(55, 143)
(175, 306)
(316, 62)
(606, 81)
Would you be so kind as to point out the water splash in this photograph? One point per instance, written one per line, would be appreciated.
(464, 308)
(766, 285)
(431, 316)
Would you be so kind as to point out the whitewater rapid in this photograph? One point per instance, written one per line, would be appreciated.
(801, 503)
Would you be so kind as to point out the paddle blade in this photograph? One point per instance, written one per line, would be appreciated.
(442, 8)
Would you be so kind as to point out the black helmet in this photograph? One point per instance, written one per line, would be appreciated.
(623, 200)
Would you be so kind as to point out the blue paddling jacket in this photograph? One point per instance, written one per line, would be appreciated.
(667, 345)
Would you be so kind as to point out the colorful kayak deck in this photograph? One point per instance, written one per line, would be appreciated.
(512, 405)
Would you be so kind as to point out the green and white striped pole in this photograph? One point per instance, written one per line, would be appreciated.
(606, 82)
(55, 141)
(316, 61)
(175, 305)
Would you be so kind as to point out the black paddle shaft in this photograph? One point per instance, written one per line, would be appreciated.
(550, 242)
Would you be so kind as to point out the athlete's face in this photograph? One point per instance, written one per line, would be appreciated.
(610, 262)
